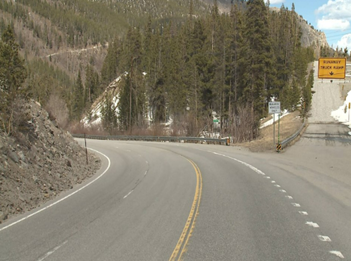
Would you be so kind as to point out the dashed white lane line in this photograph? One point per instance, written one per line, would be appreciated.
(312, 224)
(337, 253)
(130, 192)
(145, 173)
(309, 223)
(324, 238)
(52, 251)
(64, 198)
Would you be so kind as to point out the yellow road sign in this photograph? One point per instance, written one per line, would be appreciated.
(279, 147)
(331, 68)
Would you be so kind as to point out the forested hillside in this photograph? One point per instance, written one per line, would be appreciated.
(59, 39)
(181, 60)
(231, 64)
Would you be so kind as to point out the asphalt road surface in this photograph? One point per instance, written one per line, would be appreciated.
(288, 206)
(170, 201)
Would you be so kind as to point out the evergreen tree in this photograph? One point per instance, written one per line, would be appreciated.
(133, 55)
(78, 100)
(91, 84)
(238, 63)
(109, 114)
(12, 77)
(307, 94)
(176, 90)
(125, 105)
(202, 68)
(260, 67)
(109, 70)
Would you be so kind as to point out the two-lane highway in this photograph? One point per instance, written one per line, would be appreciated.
(170, 201)
(134, 211)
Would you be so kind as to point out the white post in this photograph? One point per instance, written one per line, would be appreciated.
(274, 130)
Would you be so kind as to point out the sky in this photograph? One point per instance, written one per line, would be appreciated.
(333, 17)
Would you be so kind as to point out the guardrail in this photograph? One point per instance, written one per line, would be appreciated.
(286, 142)
(152, 138)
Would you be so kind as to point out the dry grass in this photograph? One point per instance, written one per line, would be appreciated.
(289, 125)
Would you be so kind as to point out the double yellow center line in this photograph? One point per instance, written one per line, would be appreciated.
(190, 223)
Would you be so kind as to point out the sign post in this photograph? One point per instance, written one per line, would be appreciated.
(273, 129)
(273, 108)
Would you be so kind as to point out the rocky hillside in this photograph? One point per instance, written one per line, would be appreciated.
(311, 36)
(36, 165)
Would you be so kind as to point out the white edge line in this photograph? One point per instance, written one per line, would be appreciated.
(62, 199)
(128, 194)
(324, 238)
(312, 224)
(244, 163)
(52, 251)
(337, 253)
(303, 213)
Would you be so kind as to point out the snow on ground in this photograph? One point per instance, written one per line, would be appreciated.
(325, 99)
(276, 115)
(343, 114)
(326, 102)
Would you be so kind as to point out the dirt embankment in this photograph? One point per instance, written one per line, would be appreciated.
(288, 126)
(39, 163)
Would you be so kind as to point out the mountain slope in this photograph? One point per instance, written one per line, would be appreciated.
(39, 163)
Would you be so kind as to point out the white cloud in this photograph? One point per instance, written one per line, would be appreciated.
(274, 2)
(336, 9)
(336, 15)
(333, 24)
(345, 41)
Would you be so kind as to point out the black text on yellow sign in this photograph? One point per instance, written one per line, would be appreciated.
(332, 68)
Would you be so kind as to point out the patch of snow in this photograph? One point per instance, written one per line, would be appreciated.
(276, 115)
(343, 114)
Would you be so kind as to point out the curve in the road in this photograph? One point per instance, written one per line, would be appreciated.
(64, 198)
(190, 223)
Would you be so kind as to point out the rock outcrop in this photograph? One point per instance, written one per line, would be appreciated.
(38, 163)
(311, 36)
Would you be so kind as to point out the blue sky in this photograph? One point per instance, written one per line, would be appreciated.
(333, 17)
